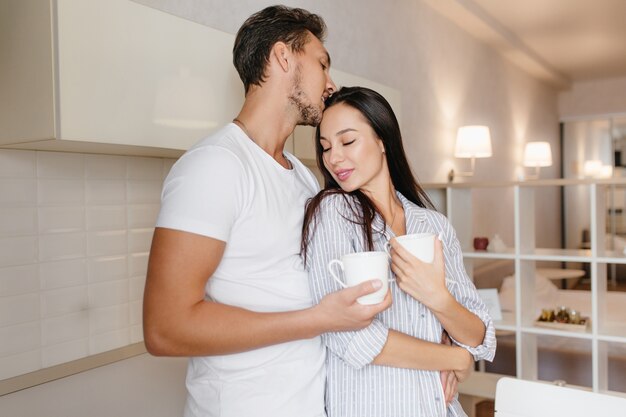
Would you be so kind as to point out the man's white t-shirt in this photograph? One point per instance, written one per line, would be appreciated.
(226, 187)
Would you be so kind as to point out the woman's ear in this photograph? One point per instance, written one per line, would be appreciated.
(281, 53)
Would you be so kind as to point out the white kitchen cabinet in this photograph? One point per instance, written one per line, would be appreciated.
(605, 337)
(111, 76)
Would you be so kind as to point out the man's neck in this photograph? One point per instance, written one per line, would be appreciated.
(267, 122)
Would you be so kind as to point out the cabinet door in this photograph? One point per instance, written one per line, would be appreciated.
(26, 72)
(132, 75)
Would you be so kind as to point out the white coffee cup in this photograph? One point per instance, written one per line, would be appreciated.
(363, 266)
(421, 245)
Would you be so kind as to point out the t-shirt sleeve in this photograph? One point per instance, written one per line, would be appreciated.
(203, 193)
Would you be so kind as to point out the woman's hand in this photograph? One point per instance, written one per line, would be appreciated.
(464, 371)
(426, 282)
(448, 378)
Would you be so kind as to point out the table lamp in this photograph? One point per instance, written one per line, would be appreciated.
(537, 155)
(471, 142)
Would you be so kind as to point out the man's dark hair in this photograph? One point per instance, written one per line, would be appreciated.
(262, 30)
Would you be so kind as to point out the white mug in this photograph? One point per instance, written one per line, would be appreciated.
(421, 245)
(363, 266)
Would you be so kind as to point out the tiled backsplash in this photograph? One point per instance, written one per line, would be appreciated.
(75, 231)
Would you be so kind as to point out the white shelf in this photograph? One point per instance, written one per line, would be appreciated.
(524, 253)
(612, 332)
(565, 255)
(507, 323)
(508, 254)
(560, 333)
(611, 257)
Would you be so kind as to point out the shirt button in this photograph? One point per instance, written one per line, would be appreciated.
(422, 315)
(437, 399)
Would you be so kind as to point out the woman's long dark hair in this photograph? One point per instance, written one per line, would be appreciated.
(380, 116)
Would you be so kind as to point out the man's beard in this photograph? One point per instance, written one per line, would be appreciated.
(310, 115)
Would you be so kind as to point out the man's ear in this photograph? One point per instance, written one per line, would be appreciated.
(282, 54)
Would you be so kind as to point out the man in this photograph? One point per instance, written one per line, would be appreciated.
(225, 282)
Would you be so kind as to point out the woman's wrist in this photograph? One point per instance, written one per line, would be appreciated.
(440, 302)
(462, 359)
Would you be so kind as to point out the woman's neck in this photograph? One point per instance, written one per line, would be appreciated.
(390, 206)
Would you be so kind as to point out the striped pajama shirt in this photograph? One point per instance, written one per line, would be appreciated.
(354, 387)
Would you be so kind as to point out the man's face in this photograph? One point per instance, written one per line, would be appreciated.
(312, 84)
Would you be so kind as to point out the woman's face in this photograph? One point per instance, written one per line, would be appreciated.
(352, 152)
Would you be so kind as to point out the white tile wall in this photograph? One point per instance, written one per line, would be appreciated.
(106, 319)
(18, 250)
(111, 340)
(106, 167)
(18, 221)
(75, 232)
(109, 218)
(65, 328)
(17, 280)
(61, 219)
(110, 268)
(64, 352)
(61, 192)
(19, 309)
(61, 246)
(20, 338)
(20, 363)
(18, 192)
(62, 274)
(64, 301)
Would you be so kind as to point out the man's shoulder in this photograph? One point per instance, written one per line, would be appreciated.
(228, 137)
(225, 145)
(216, 155)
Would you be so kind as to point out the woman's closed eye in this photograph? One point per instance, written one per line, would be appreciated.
(346, 143)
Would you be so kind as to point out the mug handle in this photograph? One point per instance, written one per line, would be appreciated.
(388, 250)
(332, 273)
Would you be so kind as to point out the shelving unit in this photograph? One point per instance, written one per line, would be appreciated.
(602, 331)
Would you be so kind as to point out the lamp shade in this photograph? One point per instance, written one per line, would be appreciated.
(537, 154)
(473, 142)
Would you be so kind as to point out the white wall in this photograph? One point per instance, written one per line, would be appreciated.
(142, 386)
(596, 97)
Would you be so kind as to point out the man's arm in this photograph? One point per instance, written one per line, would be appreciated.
(178, 321)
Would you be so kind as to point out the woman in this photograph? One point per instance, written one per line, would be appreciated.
(390, 368)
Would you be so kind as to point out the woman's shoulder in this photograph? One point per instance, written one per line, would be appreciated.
(332, 202)
(436, 219)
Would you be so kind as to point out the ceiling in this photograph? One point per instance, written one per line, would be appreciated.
(560, 41)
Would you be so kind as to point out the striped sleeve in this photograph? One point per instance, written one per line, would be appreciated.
(464, 291)
(331, 238)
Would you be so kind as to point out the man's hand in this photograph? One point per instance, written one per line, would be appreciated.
(340, 310)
